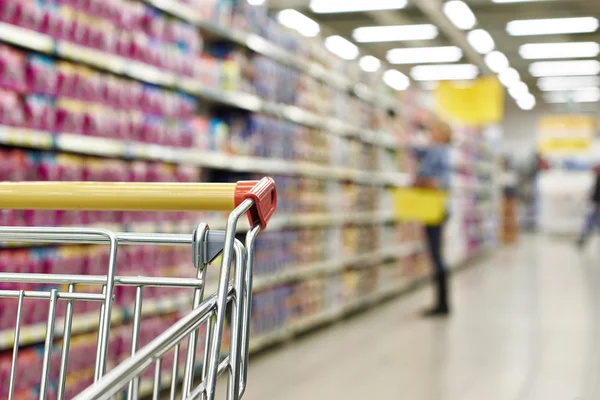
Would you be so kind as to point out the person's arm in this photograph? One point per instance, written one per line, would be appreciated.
(445, 168)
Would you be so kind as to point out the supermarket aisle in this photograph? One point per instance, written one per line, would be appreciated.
(526, 327)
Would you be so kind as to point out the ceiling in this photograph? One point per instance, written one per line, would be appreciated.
(492, 17)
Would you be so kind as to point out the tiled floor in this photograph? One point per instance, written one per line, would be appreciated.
(526, 326)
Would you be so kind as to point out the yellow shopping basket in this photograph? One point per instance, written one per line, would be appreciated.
(427, 206)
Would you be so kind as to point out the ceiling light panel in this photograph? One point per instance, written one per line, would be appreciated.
(370, 64)
(567, 83)
(396, 79)
(564, 68)
(348, 6)
(395, 33)
(445, 72)
(552, 26)
(591, 95)
(299, 22)
(341, 47)
(481, 41)
(459, 13)
(534, 51)
(424, 55)
(496, 61)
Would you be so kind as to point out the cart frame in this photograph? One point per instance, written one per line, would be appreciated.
(257, 199)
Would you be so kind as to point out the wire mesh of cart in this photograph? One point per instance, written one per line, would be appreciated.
(184, 360)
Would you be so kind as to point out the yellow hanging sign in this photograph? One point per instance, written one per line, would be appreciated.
(479, 102)
(565, 134)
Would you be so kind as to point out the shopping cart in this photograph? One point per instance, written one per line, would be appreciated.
(257, 199)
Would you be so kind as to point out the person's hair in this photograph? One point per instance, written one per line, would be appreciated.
(443, 128)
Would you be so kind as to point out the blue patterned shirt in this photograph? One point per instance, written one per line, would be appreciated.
(434, 162)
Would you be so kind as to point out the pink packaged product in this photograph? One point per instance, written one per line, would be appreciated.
(42, 75)
(14, 166)
(41, 114)
(116, 29)
(208, 71)
(12, 112)
(12, 69)
(155, 115)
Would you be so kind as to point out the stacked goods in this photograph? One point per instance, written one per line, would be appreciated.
(124, 28)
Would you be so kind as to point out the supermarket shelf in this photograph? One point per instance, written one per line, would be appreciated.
(150, 74)
(329, 219)
(96, 146)
(324, 317)
(313, 220)
(332, 267)
(32, 334)
(276, 223)
(266, 48)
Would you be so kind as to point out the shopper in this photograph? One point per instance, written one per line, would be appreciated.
(434, 173)
(510, 185)
(593, 218)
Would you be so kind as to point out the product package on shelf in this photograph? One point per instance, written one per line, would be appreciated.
(124, 28)
(39, 93)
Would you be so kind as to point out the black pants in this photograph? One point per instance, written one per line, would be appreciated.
(434, 242)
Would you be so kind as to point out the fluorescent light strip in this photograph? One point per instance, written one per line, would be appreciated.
(564, 68)
(395, 33)
(424, 55)
(299, 22)
(341, 47)
(348, 6)
(534, 51)
(552, 26)
(396, 79)
(567, 83)
(447, 72)
(591, 95)
(370, 64)
(496, 61)
(481, 41)
(459, 13)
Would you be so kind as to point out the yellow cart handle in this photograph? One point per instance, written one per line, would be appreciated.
(136, 196)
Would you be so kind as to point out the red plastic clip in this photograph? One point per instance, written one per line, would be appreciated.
(264, 195)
